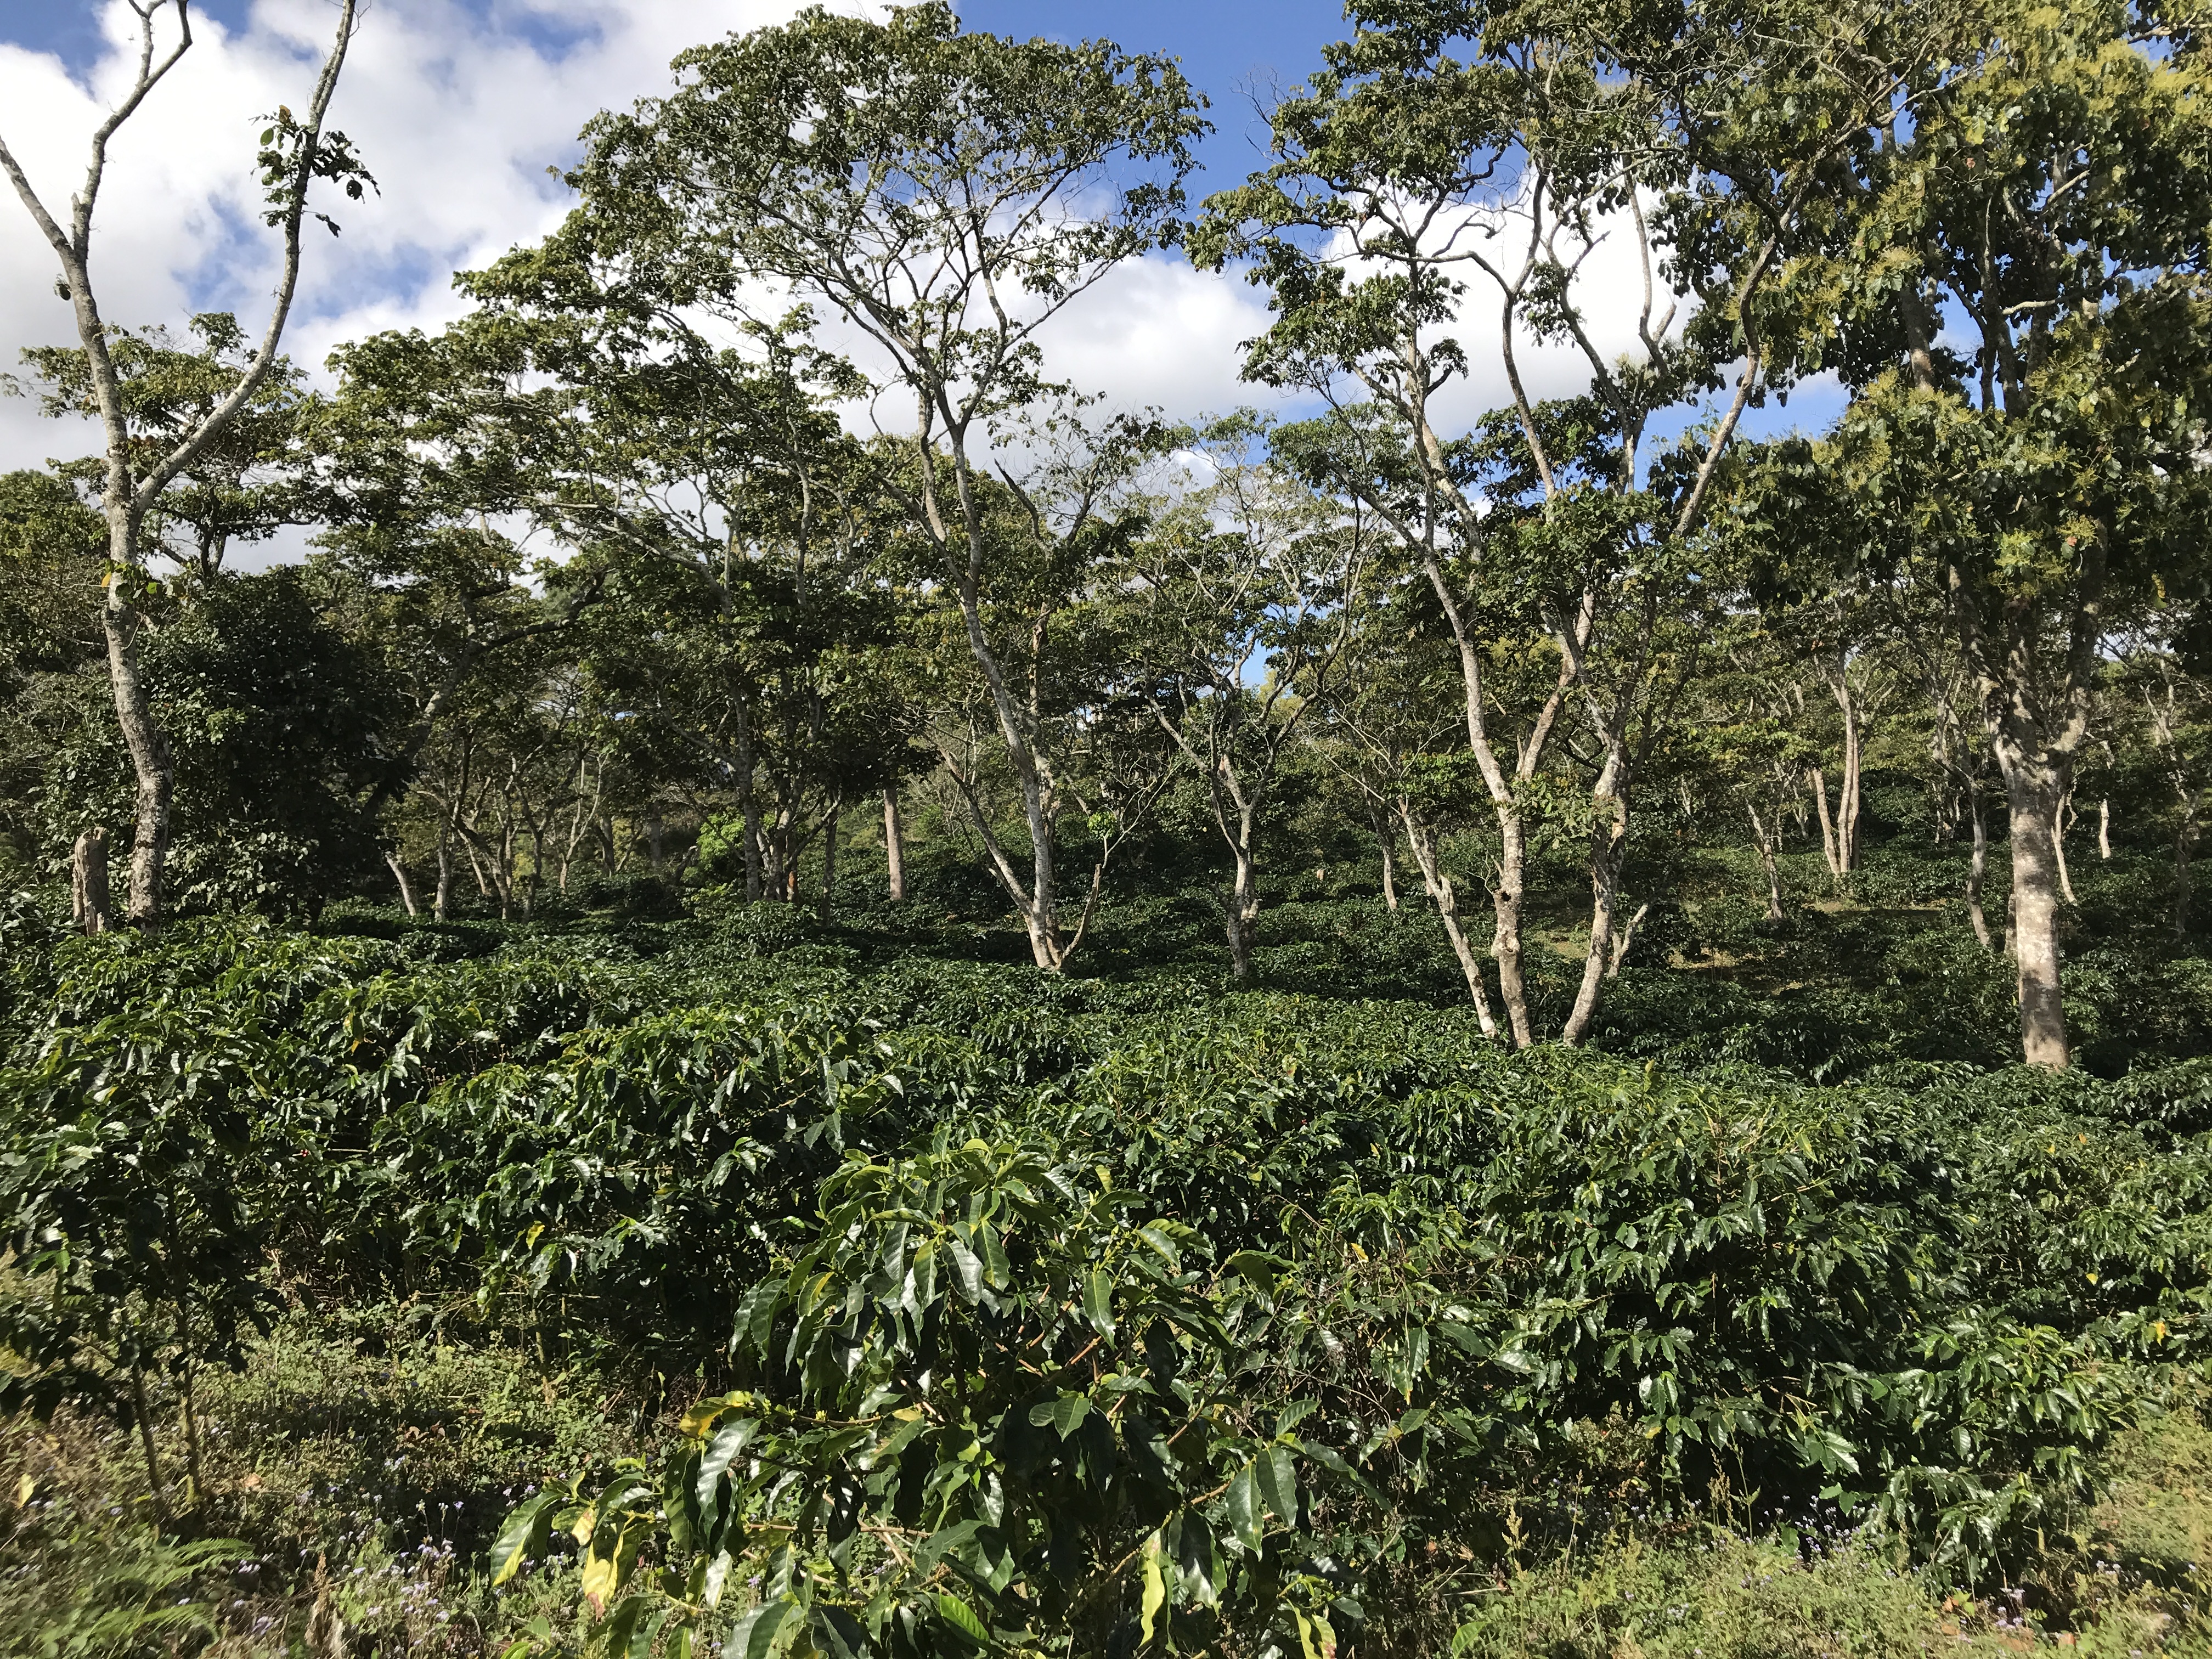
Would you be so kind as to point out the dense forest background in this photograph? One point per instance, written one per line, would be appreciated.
(804, 990)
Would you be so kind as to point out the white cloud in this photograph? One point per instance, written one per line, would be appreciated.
(458, 108)
(457, 114)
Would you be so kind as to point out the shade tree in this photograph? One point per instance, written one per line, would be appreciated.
(295, 153)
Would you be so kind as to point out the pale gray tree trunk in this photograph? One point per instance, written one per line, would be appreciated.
(1977, 868)
(1423, 840)
(1243, 908)
(1386, 837)
(1608, 846)
(406, 889)
(88, 892)
(1764, 839)
(894, 847)
(2058, 844)
(2033, 789)
(1818, 783)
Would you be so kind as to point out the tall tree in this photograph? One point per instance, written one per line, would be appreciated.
(1250, 577)
(295, 153)
(1450, 148)
(945, 193)
(2013, 280)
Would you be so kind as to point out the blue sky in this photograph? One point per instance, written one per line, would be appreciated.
(1228, 48)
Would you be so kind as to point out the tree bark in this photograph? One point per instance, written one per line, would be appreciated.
(1977, 868)
(399, 874)
(830, 860)
(894, 847)
(152, 767)
(1608, 846)
(442, 904)
(88, 882)
(2105, 827)
(1505, 903)
(1386, 837)
(1846, 855)
(146, 1444)
(2033, 789)
(1626, 939)
(749, 804)
(2058, 845)
(1818, 782)
(1241, 911)
(1423, 840)
(1764, 840)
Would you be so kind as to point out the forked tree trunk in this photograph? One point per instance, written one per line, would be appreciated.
(1627, 938)
(89, 893)
(1608, 846)
(894, 847)
(1423, 840)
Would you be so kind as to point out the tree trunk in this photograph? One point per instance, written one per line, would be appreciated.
(749, 805)
(399, 874)
(1626, 939)
(1386, 837)
(1975, 870)
(2034, 788)
(1608, 846)
(146, 1442)
(830, 860)
(1818, 782)
(1242, 909)
(2058, 845)
(443, 902)
(1505, 904)
(88, 882)
(2105, 827)
(194, 1482)
(894, 847)
(1423, 844)
(1847, 796)
(151, 761)
(1764, 842)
